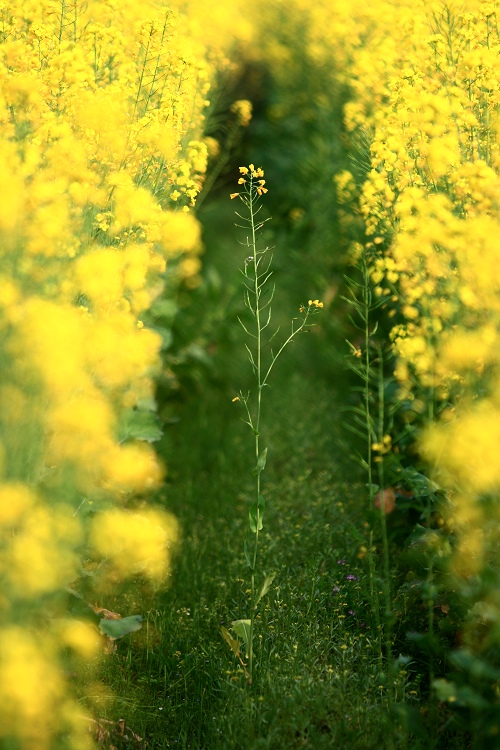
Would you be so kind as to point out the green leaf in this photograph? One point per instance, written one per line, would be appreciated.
(255, 523)
(233, 644)
(445, 690)
(261, 462)
(137, 424)
(256, 518)
(242, 629)
(349, 426)
(417, 535)
(118, 628)
(148, 403)
(419, 483)
(268, 580)
(164, 308)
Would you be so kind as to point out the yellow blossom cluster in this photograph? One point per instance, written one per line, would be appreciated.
(102, 151)
(425, 100)
(242, 108)
(252, 182)
(422, 120)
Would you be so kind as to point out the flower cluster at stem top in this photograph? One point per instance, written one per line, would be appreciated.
(251, 177)
(313, 304)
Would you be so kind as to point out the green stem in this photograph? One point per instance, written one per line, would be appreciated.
(385, 546)
(294, 332)
(258, 374)
(369, 437)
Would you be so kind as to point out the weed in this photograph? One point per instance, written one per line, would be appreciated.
(258, 300)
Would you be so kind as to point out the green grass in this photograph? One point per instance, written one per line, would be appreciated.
(309, 691)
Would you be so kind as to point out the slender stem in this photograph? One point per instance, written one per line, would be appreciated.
(385, 546)
(367, 301)
(369, 437)
(258, 375)
(385, 541)
(61, 21)
(430, 614)
(286, 342)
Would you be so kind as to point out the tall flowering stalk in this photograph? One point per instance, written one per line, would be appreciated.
(258, 299)
(369, 421)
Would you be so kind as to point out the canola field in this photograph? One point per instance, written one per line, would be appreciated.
(110, 143)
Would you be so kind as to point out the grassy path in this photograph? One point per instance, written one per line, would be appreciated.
(318, 681)
(317, 655)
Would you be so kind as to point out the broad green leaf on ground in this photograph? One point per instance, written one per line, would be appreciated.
(118, 628)
(138, 424)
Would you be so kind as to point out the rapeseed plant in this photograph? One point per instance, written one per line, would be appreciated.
(370, 420)
(436, 150)
(258, 297)
(101, 116)
(431, 214)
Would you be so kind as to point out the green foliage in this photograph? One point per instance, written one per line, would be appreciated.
(242, 628)
(256, 515)
(139, 424)
(118, 628)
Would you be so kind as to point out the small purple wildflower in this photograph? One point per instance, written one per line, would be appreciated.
(336, 590)
(342, 562)
(350, 577)
(351, 612)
